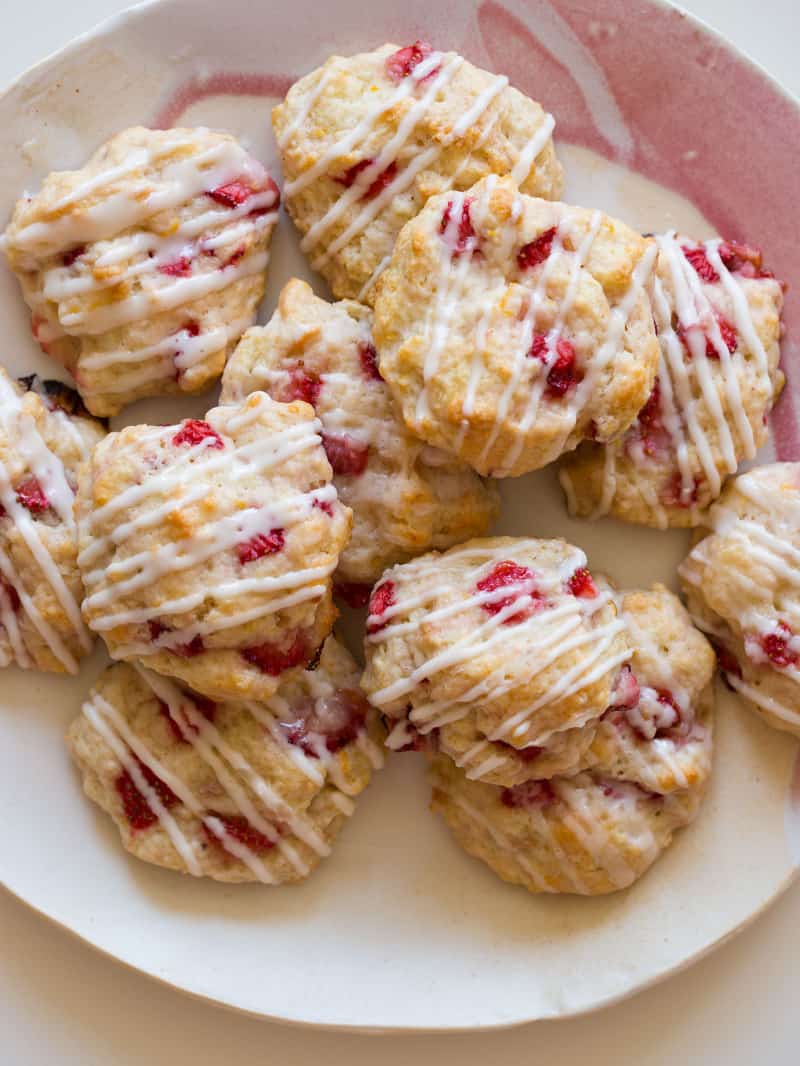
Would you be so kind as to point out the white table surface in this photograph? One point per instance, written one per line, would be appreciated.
(63, 1004)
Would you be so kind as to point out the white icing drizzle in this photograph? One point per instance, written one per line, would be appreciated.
(439, 70)
(140, 261)
(543, 638)
(21, 431)
(689, 388)
(186, 479)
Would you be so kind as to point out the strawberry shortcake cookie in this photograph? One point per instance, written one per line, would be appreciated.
(207, 548)
(144, 268)
(598, 829)
(717, 312)
(45, 435)
(511, 328)
(236, 792)
(406, 496)
(366, 140)
(742, 587)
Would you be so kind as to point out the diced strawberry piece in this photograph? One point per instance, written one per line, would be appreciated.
(69, 257)
(330, 722)
(386, 177)
(526, 754)
(536, 251)
(380, 601)
(675, 496)
(729, 338)
(273, 660)
(529, 794)
(650, 414)
(508, 573)
(260, 545)
(626, 692)
(137, 809)
(238, 827)
(743, 259)
(563, 373)
(582, 585)
(776, 647)
(464, 236)
(347, 456)
(302, 385)
(191, 327)
(402, 63)
(30, 495)
(195, 430)
(194, 647)
(180, 267)
(369, 362)
(205, 706)
(323, 505)
(354, 593)
(11, 594)
(237, 254)
(233, 194)
(699, 260)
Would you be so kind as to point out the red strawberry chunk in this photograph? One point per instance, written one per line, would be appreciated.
(233, 194)
(380, 601)
(743, 259)
(729, 338)
(536, 251)
(347, 456)
(330, 722)
(463, 238)
(11, 593)
(676, 496)
(626, 692)
(368, 358)
(195, 430)
(529, 794)
(386, 177)
(508, 573)
(30, 495)
(650, 414)
(563, 373)
(260, 545)
(776, 647)
(273, 660)
(238, 827)
(323, 505)
(180, 267)
(401, 63)
(582, 585)
(354, 593)
(237, 254)
(302, 385)
(69, 257)
(699, 260)
(137, 809)
(204, 706)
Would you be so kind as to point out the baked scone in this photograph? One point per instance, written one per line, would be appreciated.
(598, 829)
(45, 434)
(236, 792)
(742, 587)
(365, 140)
(500, 645)
(406, 496)
(143, 268)
(718, 317)
(510, 328)
(207, 548)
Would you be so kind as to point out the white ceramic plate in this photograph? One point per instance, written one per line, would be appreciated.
(399, 929)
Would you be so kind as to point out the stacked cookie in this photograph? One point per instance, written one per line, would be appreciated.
(482, 329)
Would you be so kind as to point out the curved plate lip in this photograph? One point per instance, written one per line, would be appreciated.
(400, 1030)
(137, 14)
